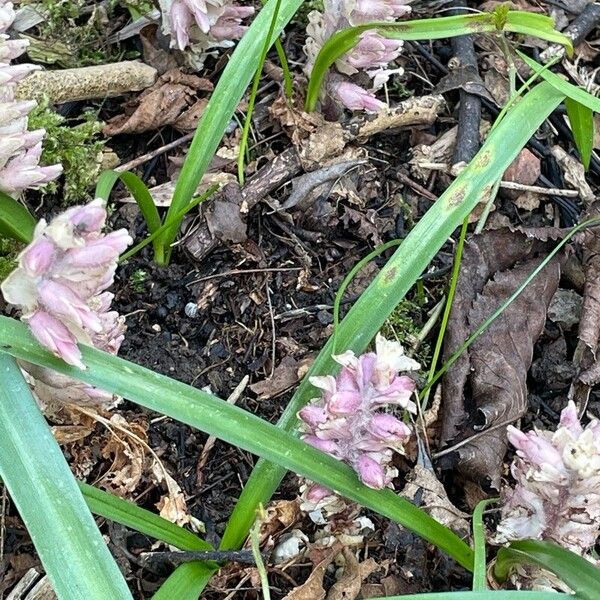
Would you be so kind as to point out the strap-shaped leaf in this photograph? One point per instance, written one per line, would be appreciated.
(48, 499)
(577, 572)
(16, 222)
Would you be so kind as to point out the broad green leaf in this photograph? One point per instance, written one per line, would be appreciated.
(222, 104)
(234, 425)
(581, 119)
(568, 89)
(371, 310)
(43, 489)
(577, 572)
(129, 514)
(141, 194)
(16, 222)
(536, 25)
(187, 582)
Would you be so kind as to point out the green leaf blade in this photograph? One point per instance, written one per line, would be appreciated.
(141, 194)
(223, 102)
(577, 572)
(16, 222)
(48, 499)
(233, 425)
(568, 89)
(581, 119)
(127, 513)
(368, 314)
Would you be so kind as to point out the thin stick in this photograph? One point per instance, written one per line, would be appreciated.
(243, 272)
(210, 442)
(140, 160)
(273, 331)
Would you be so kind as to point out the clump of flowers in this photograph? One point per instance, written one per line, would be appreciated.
(20, 150)
(60, 286)
(203, 24)
(557, 492)
(370, 59)
(350, 422)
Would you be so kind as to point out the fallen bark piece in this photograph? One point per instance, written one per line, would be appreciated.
(486, 388)
(87, 83)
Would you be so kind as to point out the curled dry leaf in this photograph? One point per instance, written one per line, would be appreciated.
(574, 174)
(486, 388)
(286, 375)
(171, 100)
(423, 484)
(585, 356)
(350, 582)
(312, 588)
(128, 456)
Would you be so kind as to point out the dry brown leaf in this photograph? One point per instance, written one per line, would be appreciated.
(574, 174)
(297, 123)
(165, 103)
(486, 387)
(423, 483)
(127, 454)
(280, 516)
(284, 377)
(349, 584)
(586, 352)
(172, 505)
(525, 169)
(68, 434)
(312, 588)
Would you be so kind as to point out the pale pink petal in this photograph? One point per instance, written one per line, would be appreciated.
(52, 334)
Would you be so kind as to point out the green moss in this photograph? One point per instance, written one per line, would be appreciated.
(78, 148)
(138, 281)
(405, 324)
(70, 36)
(8, 254)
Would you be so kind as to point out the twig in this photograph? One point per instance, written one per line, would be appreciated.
(537, 189)
(210, 442)
(3, 509)
(87, 83)
(508, 185)
(140, 160)
(578, 30)
(473, 437)
(178, 558)
(415, 186)
(243, 272)
(273, 330)
(469, 116)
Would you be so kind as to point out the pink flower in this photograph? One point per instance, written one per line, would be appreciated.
(378, 10)
(557, 491)
(346, 420)
(203, 23)
(373, 55)
(371, 472)
(229, 24)
(60, 287)
(52, 334)
(374, 51)
(388, 428)
(354, 97)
